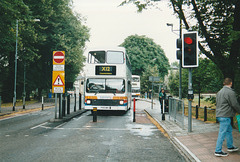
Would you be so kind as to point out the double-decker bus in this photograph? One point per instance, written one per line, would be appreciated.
(108, 80)
(136, 86)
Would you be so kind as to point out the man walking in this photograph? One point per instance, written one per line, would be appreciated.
(226, 107)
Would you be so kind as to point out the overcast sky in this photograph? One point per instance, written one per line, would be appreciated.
(110, 25)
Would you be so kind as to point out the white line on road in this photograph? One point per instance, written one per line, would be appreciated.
(59, 125)
(39, 125)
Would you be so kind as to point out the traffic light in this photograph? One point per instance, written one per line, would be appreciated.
(190, 50)
(179, 51)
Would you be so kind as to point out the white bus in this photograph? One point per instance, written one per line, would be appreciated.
(108, 80)
(136, 86)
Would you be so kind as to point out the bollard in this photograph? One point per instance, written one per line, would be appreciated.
(0, 104)
(42, 103)
(163, 114)
(75, 100)
(24, 102)
(134, 109)
(80, 101)
(94, 114)
(196, 111)
(64, 105)
(205, 113)
(68, 104)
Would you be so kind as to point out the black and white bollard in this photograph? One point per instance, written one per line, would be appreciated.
(163, 113)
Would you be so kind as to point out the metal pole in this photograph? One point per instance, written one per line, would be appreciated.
(196, 111)
(205, 113)
(190, 101)
(163, 114)
(24, 84)
(94, 114)
(180, 63)
(60, 106)
(80, 101)
(15, 74)
(42, 102)
(152, 95)
(0, 104)
(134, 109)
(75, 100)
(55, 105)
(64, 105)
(68, 104)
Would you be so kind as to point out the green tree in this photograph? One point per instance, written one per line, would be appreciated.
(10, 12)
(144, 53)
(207, 78)
(59, 29)
(146, 85)
(218, 24)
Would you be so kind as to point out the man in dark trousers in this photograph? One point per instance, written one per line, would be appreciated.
(162, 96)
(226, 107)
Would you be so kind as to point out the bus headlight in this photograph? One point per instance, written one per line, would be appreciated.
(121, 102)
(88, 102)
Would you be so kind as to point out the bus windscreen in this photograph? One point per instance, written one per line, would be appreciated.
(105, 86)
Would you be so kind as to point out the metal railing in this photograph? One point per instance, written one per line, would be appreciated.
(176, 111)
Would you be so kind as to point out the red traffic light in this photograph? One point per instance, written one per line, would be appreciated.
(188, 40)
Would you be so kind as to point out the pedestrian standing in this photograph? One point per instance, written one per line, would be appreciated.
(150, 94)
(162, 96)
(226, 107)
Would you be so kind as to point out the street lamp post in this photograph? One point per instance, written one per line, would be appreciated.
(180, 61)
(15, 73)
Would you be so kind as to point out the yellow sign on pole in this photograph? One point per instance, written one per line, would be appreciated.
(58, 82)
(58, 75)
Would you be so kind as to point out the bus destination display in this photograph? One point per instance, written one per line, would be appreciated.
(105, 70)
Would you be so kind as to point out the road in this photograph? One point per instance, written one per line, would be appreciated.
(114, 137)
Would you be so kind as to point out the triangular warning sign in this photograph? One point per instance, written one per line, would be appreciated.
(58, 81)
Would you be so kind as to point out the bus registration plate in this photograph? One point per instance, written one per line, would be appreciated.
(105, 107)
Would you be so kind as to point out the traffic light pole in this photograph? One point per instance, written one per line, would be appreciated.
(190, 92)
(180, 62)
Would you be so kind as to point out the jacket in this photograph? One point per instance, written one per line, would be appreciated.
(226, 103)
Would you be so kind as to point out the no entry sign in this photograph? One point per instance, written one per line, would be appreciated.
(58, 57)
(58, 75)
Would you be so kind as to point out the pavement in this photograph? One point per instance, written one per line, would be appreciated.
(198, 145)
(7, 112)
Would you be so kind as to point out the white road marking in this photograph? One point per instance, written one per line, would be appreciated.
(39, 125)
(59, 125)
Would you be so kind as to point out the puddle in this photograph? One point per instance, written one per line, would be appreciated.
(141, 130)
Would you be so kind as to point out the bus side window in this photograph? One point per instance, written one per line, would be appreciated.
(129, 86)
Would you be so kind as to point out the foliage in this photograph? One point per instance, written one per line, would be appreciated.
(207, 78)
(147, 58)
(144, 53)
(146, 85)
(59, 29)
(218, 25)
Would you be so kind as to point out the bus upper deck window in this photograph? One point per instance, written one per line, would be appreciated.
(96, 57)
(115, 57)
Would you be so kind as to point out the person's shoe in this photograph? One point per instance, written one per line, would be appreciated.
(232, 149)
(221, 154)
